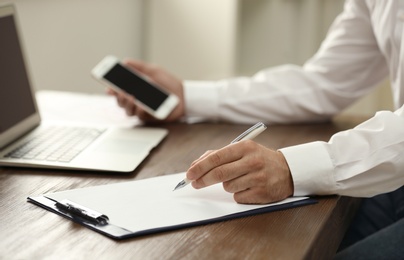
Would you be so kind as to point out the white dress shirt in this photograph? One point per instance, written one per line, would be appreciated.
(362, 48)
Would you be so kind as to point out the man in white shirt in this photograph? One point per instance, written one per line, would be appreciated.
(363, 47)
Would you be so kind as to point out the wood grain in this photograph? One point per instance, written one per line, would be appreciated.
(310, 232)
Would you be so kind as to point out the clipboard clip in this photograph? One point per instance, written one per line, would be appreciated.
(76, 210)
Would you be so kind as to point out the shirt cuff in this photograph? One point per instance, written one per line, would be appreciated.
(201, 99)
(311, 168)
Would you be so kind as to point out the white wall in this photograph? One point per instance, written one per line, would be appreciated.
(281, 31)
(65, 39)
(192, 38)
(213, 39)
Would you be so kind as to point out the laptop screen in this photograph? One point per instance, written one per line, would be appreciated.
(16, 101)
(18, 110)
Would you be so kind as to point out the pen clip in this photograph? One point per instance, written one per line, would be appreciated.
(76, 210)
(250, 131)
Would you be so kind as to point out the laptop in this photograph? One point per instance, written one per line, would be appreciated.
(26, 141)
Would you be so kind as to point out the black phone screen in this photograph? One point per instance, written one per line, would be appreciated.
(136, 86)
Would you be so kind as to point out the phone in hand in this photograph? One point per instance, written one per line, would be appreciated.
(153, 99)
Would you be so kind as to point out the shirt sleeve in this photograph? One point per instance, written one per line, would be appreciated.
(347, 66)
(361, 162)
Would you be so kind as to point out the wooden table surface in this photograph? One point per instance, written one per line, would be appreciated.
(309, 232)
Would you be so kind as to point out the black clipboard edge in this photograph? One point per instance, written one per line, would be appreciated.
(109, 230)
(247, 213)
(119, 233)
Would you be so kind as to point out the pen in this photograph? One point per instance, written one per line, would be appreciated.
(249, 134)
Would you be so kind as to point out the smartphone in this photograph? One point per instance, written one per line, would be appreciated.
(153, 99)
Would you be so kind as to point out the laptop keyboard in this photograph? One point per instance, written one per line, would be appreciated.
(56, 143)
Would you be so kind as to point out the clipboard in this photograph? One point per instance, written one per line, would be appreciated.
(131, 209)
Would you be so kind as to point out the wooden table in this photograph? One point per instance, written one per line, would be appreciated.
(309, 232)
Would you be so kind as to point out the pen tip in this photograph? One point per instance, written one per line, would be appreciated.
(179, 185)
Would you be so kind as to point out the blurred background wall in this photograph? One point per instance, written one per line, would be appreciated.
(195, 39)
(64, 39)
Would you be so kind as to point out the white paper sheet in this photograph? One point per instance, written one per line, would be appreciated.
(152, 203)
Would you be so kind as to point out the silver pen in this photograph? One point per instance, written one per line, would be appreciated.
(249, 134)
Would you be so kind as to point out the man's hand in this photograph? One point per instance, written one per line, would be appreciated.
(254, 173)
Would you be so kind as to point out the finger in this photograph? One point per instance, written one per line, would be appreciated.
(241, 181)
(121, 99)
(258, 195)
(144, 116)
(128, 103)
(236, 176)
(252, 189)
(110, 92)
(213, 160)
(202, 157)
(131, 109)
(253, 196)
(258, 187)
